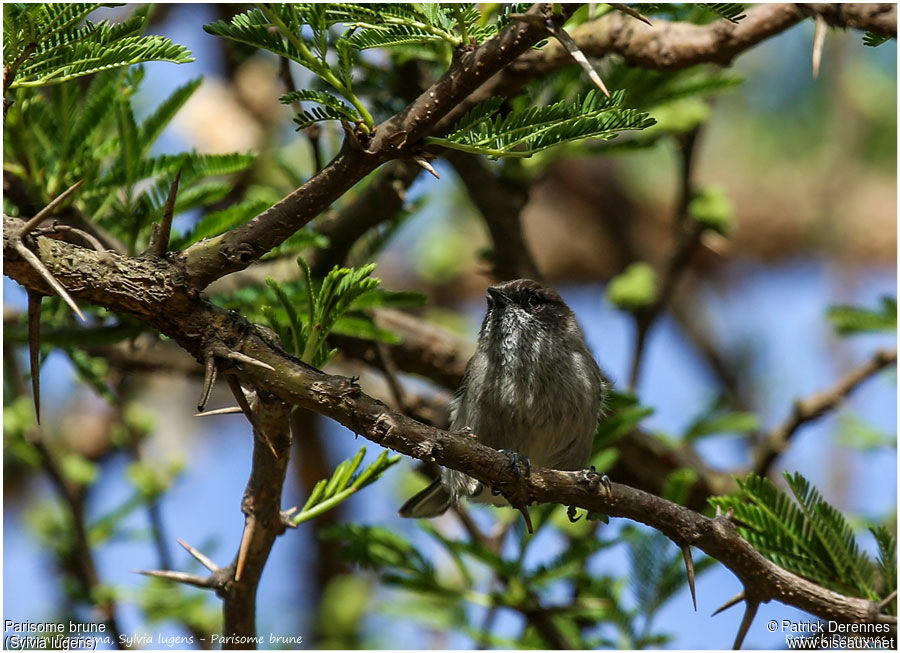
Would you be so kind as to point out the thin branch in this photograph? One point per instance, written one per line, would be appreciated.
(340, 398)
(34, 349)
(687, 237)
(397, 137)
(500, 202)
(89, 238)
(82, 557)
(631, 12)
(812, 408)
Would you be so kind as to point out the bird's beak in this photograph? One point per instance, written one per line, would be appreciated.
(498, 296)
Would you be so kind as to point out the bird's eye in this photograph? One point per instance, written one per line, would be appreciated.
(534, 302)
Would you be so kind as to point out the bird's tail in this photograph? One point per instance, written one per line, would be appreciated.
(433, 501)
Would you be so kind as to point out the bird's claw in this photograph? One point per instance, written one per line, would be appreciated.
(518, 462)
(571, 513)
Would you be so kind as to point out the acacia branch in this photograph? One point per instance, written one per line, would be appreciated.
(814, 407)
(165, 303)
(397, 137)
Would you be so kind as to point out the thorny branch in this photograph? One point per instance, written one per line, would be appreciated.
(124, 285)
(814, 407)
(165, 295)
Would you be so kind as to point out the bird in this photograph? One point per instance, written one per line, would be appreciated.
(531, 389)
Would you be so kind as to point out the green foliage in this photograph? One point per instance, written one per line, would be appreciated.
(851, 320)
(730, 11)
(302, 33)
(342, 485)
(304, 311)
(657, 573)
(218, 222)
(711, 207)
(53, 43)
(523, 133)
(77, 469)
(874, 40)
(623, 413)
(716, 419)
(55, 138)
(151, 479)
(160, 599)
(856, 433)
(634, 289)
(331, 107)
(807, 536)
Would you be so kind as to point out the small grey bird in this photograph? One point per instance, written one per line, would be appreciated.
(531, 388)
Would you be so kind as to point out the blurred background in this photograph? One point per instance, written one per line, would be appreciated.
(809, 168)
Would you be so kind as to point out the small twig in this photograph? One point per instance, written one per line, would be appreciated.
(818, 44)
(90, 239)
(749, 615)
(50, 208)
(389, 369)
(689, 568)
(686, 240)
(811, 408)
(241, 398)
(32, 259)
(729, 603)
(34, 349)
(199, 556)
(159, 239)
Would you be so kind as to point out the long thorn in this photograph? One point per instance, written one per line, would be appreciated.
(220, 411)
(575, 52)
(749, 615)
(818, 45)
(249, 360)
(178, 577)
(524, 510)
(32, 259)
(730, 602)
(47, 210)
(886, 600)
(34, 349)
(160, 243)
(209, 380)
(689, 567)
(423, 163)
(625, 9)
(246, 536)
(198, 555)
